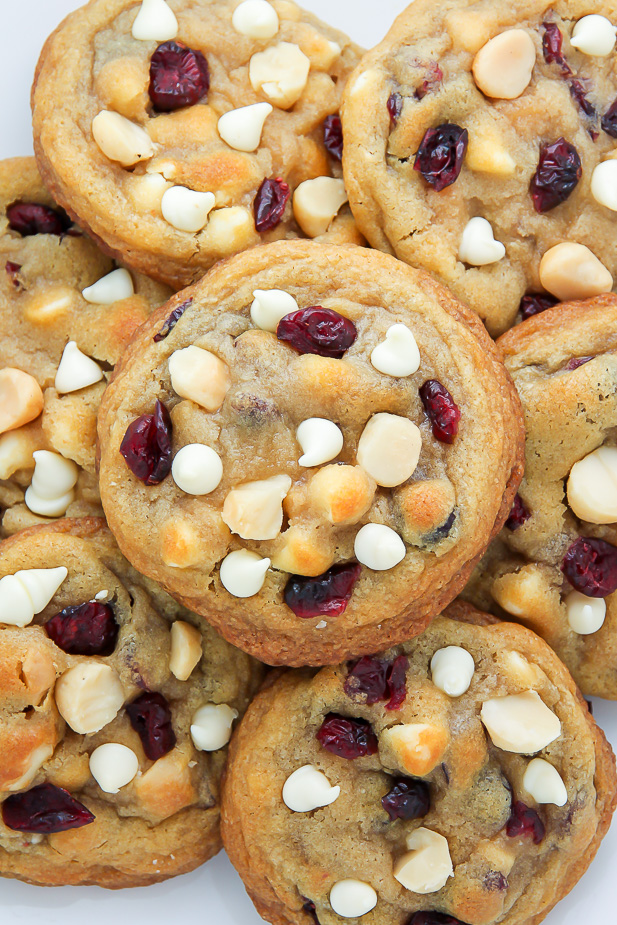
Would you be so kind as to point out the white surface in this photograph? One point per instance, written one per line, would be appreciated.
(214, 894)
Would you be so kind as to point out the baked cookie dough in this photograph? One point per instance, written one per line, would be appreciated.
(66, 316)
(554, 566)
(183, 132)
(310, 447)
(116, 705)
(457, 779)
(480, 143)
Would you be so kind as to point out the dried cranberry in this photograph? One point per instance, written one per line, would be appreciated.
(171, 321)
(433, 918)
(579, 94)
(379, 680)
(590, 566)
(146, 446)
(269, 205)
(333, 136)
(575, 362)
(310, 909)
(326, 595)
(519, 514)
(495, 880)
(552, 42)
(558, 172)
(443, 412)
(434, 76)
(317, 330)
(397, 682)
(29, 218)
(395, 107)
(150, 717)
(347, 738)
(441, 154)
(535, 303)
(44, 809)
(609, 120)
(179, 77)
(408, 799)
(12, 270)
(87, 629)
(523, 822)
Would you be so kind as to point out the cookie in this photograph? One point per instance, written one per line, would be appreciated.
(184, 132)
(457, 778)
(116, 705)
(65, 322)
(478, 146)
(310, 448)
(555, 564)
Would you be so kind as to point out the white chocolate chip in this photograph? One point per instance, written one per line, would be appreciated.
(427, 866)
(544, 783)
(241, 128)
(352, 898)
(121, 140)
(307, 789)
(89, 696)
(186, 209)
(604, 184)
(594, 35)
(254, 510)
(27, 593)
(186, 650)
(155, 22)
(113, 766)
(269, 306)
(592, 486)
(398, 354)
(452, 669)
(280, 72)
(389, 449)
(520, 723)
(255, 18)
(378, 547)
(317, 202)
(200, 376)
(586, 615)
(572, 271)
(211, 726)
(21, 399)
(243, 573)
(76, 370)
(197, 469)
(502, 68)
(53, 483)
(112, 288)
(321, 440)
(478, 246)
(101, 596)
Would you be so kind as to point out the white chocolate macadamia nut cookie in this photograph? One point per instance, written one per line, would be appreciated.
(440, 824)
(189, 130)
(554, 565)
(67, 316)
(101, 677)
(340, 502)
(480, 145)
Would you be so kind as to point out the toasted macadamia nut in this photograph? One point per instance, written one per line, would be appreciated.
(321, 440)
(186, 650)
(255, 510)
(317, 202)
(544, 783)
(398, 354)
(53, 483)
(427, 866)
(303, 551)
(21, 399)
(16, 449)
(121, 140)
(186, 209)
(520, 723)
(586, 615)
(89, 696)
(76, 370)
(594, 35)
(122, 86)
(604, 184)
(241, 128)
(452, 669)
(417, 747)
(280, 72)
(211, 726)
(243, 573)
(27, 593)
(200, 376)
(197, 469)
(269, 306)
(113, 766)
(389, 449)
(166, 788)
(255, 18)
(486, 152)
(517, 667)
(424, 508)
(230, 230)
(308, 788)
(343, 493)
(147, 192)
(180, 543)
(571, 271)
(352, 898)
(112, 288)
(478, 246)
(48, 307)
(155, 22)
(592, 486)
(502, 68)
(378, 547)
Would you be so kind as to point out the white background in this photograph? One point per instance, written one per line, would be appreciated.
(213, 895)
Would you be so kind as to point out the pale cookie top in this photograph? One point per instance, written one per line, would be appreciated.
(116, 707)
(67, 314)
(480, 146)
(311, 446)
(556, 568)
(456, 778)
(188, 130)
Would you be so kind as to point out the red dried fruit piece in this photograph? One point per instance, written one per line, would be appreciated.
(558, 172)
(44, 810)
(434, 76)
(30, 218)
(552, 42)
(579, 94)
(433, 918)
(146, 446)
(171, 321)
(379, 680)
(269, 204)
(347, 738)
(326, 595)
(87, 629)
(407, 799)
(609, 120)
(443, 412)
(441, 154)
(179, 76)
(495, 880)
(317, 330)
(309, 908)
(535, 303)
(333, 136)
(518, 515)
(395, 107)
(524, 822)
(397, 682)
(150, 717)
(575, 362)
(590, 566)
(12, 270)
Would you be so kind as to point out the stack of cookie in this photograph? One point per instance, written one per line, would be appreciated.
(304, 458)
